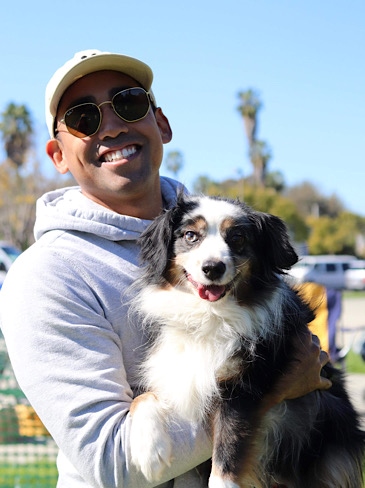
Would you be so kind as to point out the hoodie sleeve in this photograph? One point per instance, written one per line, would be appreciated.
(69, 361)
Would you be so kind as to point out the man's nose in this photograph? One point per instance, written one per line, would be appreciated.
(111, 124)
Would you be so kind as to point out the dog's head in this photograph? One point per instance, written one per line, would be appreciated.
(213, 247)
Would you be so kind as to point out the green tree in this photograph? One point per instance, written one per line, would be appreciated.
(21, 178)
(268, 200)
(331, 235)
(174, 162)
(275, 180)
(17, 205)
(18, 195)
(310, 201)
(203, 184)
(16, 128)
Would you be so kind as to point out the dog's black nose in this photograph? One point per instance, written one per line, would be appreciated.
(214, 269)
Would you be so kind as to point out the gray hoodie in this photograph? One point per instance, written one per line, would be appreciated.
(74, 347)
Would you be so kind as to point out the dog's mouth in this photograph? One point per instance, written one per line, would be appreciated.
(212, 293)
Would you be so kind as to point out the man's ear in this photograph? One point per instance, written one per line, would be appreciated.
(54, 151)
(163, 125)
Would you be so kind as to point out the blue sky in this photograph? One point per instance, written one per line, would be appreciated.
(305, 58)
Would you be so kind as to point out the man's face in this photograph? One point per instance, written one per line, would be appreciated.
(122, 160)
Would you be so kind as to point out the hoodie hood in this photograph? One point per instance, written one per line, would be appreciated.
(68, 209)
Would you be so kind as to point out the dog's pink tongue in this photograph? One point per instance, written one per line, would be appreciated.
(211, 293)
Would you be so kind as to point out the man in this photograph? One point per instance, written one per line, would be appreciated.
(73, 345)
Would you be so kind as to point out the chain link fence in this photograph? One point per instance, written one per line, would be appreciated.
(27, 451)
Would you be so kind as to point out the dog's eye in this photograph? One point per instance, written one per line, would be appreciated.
(191, 236)
(237, 241)
(237, 237)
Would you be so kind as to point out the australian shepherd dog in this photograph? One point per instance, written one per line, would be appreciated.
(223, 324)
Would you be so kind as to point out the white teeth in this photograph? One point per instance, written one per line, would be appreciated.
(117, 155)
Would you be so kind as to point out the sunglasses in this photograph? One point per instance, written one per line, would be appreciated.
(130, 105)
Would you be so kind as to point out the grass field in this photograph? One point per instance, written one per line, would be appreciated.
(354, 294)
(41, 474)
(354, 363)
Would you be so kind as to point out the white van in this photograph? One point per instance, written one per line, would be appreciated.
(327, 270)
(355, 275)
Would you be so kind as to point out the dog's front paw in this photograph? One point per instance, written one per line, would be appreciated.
(218, 482)
(150, 444)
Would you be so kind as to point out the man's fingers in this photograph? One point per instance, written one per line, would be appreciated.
(315, 340)
(323, 358)
(325, 382)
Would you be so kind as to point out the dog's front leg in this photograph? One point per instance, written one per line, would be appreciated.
(235, 443)
(149, 441)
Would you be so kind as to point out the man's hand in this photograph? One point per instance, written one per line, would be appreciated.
(304, 374)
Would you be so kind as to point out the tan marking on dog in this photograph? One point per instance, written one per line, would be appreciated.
(140, 399)
(227, 223)
(198, 225)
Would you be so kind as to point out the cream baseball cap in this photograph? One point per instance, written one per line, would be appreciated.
(84, 63)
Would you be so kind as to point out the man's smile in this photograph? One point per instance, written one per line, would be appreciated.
(113, 156)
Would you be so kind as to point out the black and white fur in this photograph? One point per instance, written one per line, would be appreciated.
(223, 323)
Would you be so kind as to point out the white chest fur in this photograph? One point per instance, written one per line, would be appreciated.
(195, 346)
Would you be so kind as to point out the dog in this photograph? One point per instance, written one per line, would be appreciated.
(223, 323)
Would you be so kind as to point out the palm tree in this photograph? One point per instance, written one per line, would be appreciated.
(249, 107)
(276, 180)
(17, 129)
(260, 155)
(259, 152)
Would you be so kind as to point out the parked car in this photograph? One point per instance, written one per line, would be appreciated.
(3, 272)
(12, 251)
(8, 254)
(327, 270)
(355, 276)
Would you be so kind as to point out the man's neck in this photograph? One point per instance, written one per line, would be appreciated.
(145, 205)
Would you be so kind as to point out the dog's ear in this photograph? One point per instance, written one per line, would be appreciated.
(156, 242)
(274, 243)
(156, 245)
